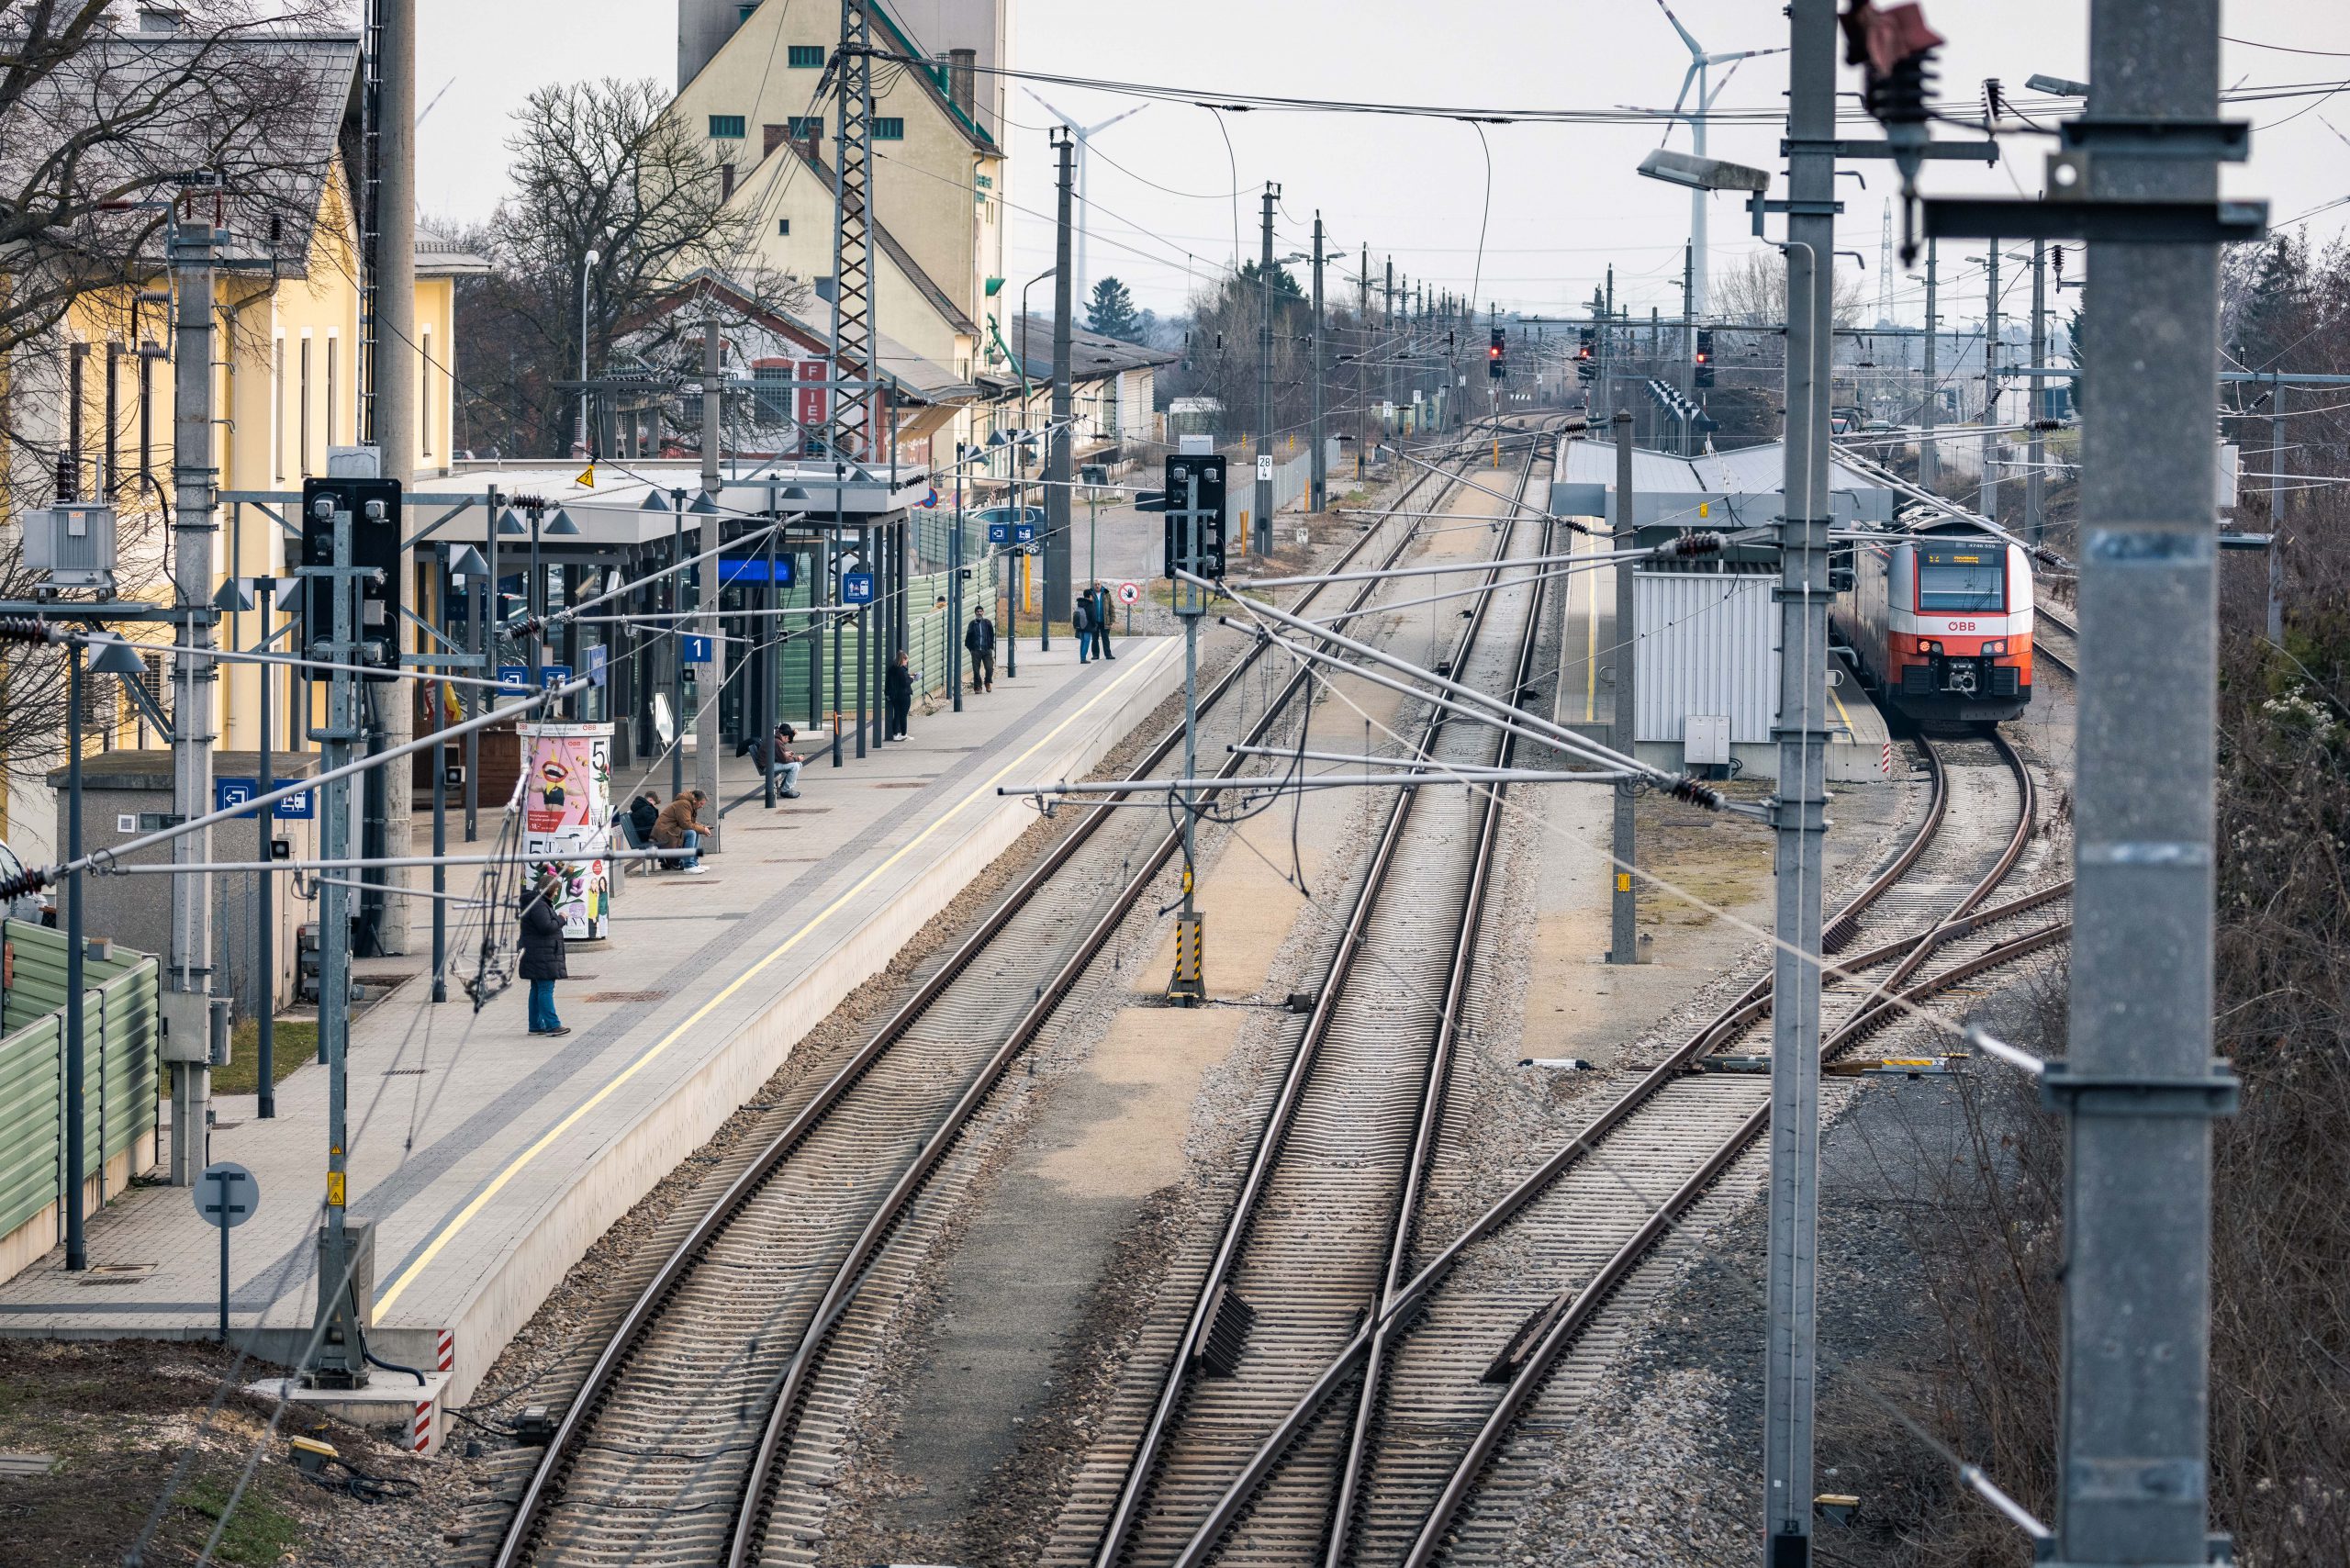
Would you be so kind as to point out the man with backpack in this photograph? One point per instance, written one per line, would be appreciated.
(1080, 623)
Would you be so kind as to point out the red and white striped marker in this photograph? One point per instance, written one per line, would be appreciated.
(422, 1436)
(444, 1350)
(1885, 766)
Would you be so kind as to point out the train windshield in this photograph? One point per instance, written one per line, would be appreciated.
(1964, 582)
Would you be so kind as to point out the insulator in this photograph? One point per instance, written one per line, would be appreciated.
(1689, 790)
(31, 880)
(1701, 544)
(29, 629)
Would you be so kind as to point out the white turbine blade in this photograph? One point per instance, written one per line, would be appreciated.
(1693, 46)
(1093, 130)
(1064, 118)
(1744, 54)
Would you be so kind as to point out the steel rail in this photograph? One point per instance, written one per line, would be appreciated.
(587, 1402)
(1425, 1134)
(1748, 1005)
(783, 1409)
(1209, 1305)
(1562, 1322)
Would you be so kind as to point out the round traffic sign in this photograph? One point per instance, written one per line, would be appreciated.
(1129, 593)
(225, 1195)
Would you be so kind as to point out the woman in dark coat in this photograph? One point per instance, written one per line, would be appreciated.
(900, 689)
(541, 962)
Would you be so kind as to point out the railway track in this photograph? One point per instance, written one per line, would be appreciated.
(1325, 1208)
(707, 1427)
(2065, 653)
(1514, 1311)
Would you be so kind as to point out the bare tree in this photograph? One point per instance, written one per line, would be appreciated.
(600, 166)
(104, 121)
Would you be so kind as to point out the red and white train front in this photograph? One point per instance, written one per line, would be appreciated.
(1943, 628)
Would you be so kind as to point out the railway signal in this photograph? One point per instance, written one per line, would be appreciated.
(1496, 360)
(1586, 366)
(1701, 364)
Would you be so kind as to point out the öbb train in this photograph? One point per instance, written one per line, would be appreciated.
(1940, 624)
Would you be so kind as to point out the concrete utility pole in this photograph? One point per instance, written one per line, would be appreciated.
(1989, 504)
(1687, 382)
(1363, 355)
(2036, 400)
(2139, 1084)
(1189, 983)
(1392, 350)
(1262, 514)
(1799, 812)
(1317, 463)
(1060, 551)
(195, 349)
(1623, 728)
(2275, 551)
(713, 674)
(1929, 461)
(397, 363)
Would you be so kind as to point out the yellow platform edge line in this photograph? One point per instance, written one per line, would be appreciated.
(498, 1183)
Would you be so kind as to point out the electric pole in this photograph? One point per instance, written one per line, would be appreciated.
(399, 361)
(1688, 346)
(1798, 813)
(1189, 983)
(1990, 494)
(1317, 461)
(1623, 729)
(1061, 544)
(1930, 465)
(1392, 349)
(195, 352)
(2036, 444)
(2138, 1083)
(713, 673)
(1261, 544)
(1363, 358)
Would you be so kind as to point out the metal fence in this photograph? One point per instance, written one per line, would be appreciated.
(121, 1076)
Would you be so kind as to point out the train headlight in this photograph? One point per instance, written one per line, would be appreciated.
(1995, 648)
(1929, 647)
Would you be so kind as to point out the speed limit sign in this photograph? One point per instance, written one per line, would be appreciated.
(1129, 593)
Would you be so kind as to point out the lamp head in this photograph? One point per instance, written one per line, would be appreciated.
(1697, 173)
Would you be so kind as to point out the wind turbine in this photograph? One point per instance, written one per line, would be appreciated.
(1080, 284)
(1700, 63)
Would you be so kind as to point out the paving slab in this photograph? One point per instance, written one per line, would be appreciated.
(489, 1161)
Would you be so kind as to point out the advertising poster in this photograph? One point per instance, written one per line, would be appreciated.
(567, 820)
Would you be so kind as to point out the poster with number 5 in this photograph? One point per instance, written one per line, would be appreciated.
(568, 818)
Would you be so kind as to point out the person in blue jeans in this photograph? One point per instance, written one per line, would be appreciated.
(680, 827)
(542, 956)
(1080, 623)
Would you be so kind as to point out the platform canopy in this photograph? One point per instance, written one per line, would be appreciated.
(1721, 490)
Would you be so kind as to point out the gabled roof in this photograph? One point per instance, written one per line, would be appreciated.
(264, 109)
(933, 76)
(437, 255)
(924, 284)
(1091, 356)
(910, 375)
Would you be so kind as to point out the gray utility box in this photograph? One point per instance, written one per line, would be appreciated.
(70, 544)
(1704, 740)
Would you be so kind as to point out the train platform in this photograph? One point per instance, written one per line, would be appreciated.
(489, 1160)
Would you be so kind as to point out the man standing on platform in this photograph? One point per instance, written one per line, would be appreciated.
(1102, 616)
(978, 641)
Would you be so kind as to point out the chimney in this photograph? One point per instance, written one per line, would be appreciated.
(962, 70)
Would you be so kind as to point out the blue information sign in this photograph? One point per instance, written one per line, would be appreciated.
(1024, 534)
(699, 649)
(229, 793)
(856, 588)
(553, 676)
(999, 533)
(517, 677)
(596, 666)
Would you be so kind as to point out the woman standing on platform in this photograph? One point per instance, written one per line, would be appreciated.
(541, 962)
(900, 689)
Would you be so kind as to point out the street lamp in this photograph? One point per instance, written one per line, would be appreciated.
(586, 265)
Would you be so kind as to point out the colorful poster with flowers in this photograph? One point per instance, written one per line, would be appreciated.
(567, 820)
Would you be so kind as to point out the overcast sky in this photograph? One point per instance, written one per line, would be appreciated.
(1564, 202)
